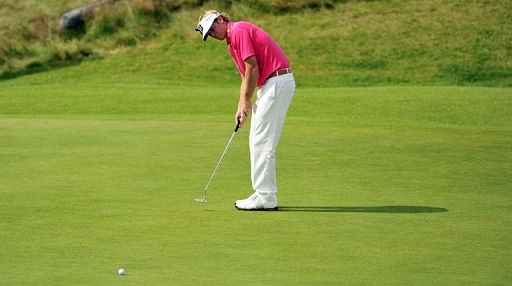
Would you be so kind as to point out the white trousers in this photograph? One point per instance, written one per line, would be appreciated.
(268, 115)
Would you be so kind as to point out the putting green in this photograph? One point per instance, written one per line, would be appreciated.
(378, 186)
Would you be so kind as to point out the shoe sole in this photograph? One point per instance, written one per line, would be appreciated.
(258, 210)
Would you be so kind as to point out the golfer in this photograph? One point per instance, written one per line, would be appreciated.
(263, 66)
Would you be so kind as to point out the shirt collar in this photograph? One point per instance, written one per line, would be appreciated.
(228, 32)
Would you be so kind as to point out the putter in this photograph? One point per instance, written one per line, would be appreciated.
(203, 199)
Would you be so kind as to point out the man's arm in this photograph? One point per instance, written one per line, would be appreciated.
(249, 81)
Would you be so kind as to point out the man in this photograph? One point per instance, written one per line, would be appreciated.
(263, 65)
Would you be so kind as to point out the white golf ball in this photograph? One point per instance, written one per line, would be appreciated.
(121, 271)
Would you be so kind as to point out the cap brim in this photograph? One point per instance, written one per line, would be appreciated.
(202, 36)
(205, 24)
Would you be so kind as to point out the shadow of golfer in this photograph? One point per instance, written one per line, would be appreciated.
(379, 209)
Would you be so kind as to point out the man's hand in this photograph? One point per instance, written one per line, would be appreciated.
(242, 113)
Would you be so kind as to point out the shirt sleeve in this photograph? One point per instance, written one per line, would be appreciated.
(243, 39)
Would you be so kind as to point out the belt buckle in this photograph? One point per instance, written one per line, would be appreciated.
(281, 72)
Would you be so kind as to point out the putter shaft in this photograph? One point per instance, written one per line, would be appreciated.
(218, 164)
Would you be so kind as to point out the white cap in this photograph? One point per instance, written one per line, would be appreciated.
(205, 24)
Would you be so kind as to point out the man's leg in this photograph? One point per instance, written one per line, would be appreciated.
(267, 122)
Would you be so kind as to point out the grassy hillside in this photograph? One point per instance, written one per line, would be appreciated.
(330, 43)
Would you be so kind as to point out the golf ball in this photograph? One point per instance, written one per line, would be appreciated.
(121, 271)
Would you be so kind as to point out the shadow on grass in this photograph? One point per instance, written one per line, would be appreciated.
(38, 68)
(34, 69)
(379, 209)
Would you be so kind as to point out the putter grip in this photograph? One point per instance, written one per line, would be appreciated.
(237, 125)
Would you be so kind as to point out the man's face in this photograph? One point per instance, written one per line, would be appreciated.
(218, 29)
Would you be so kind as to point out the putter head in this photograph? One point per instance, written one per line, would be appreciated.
(201, 200)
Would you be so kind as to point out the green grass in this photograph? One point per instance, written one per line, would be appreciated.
(353, 43)
(102, 156)
(378, 186)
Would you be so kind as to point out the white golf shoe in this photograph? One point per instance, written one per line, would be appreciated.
(258, 202)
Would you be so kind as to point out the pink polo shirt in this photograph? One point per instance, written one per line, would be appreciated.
(245, 39)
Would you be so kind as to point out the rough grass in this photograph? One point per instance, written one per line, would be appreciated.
(341, 43)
